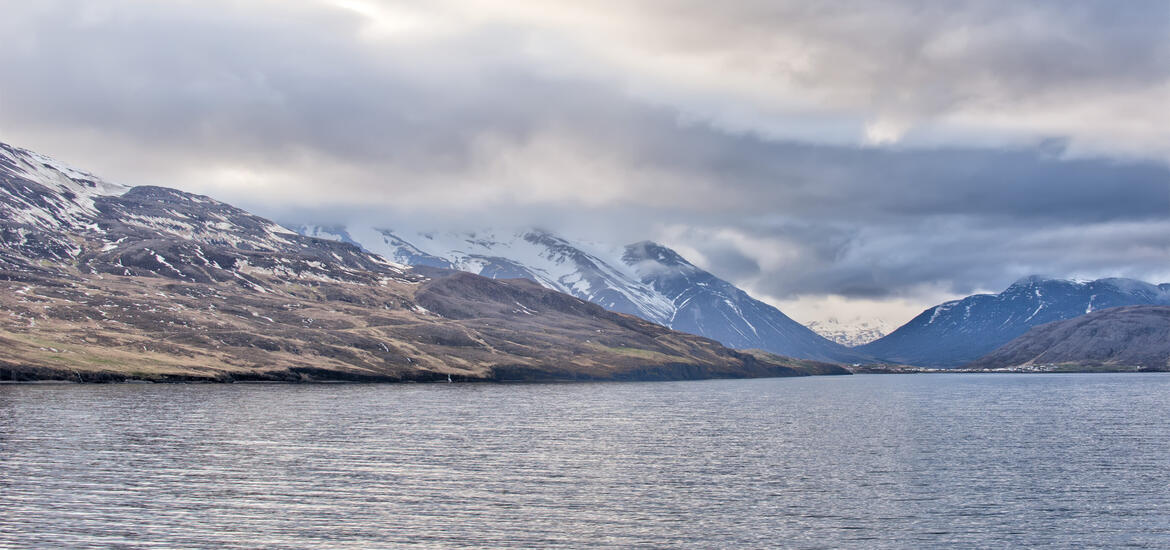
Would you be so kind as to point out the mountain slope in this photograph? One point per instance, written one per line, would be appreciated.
(961, 331)
(1133, 336)
(707, 305)
(572, 268)
(40, 201)
(100, 282)
(643, 279)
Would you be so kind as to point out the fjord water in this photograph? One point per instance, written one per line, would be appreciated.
(826, 462)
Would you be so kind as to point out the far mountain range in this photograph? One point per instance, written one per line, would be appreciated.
(103, 280)
(960, 331)
(656, 283)
(644, 279)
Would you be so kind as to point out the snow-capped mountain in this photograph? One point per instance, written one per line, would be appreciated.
(851, 332)
(709, 306)
(960, 331)
(644, 279)
(572, 268)
(101, 283)
(52, 212)
(40, 198)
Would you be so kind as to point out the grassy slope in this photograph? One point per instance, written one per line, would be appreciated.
(98, 328)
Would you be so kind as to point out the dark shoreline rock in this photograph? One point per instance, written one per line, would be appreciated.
(500, 374)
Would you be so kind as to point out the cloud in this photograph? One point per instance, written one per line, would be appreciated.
(866, 151)
(942, 255)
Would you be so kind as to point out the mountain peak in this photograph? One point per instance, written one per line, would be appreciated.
(1119, 284)
(1030, 280)
(1043, 280)
(51, 172)
(650, 251)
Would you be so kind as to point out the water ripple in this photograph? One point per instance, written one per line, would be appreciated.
(968, 461)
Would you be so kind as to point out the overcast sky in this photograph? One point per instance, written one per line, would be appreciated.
(835, 158)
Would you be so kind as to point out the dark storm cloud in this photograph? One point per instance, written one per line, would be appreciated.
(1015, 136)
(958, 256)
(872, 183)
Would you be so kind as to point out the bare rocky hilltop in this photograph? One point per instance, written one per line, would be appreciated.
(1121, 338)
(103, 283)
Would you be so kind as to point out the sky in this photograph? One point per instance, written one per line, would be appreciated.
(837, 159)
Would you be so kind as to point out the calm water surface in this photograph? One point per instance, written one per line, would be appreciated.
(968, 461)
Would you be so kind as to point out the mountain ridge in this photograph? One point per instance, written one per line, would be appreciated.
(644, 279)
(103, 283)
(1126, 336)
(960, 331)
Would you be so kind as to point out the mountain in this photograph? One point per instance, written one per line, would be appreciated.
(42, 201)
(582, 270)
(707, 305)
(1132, 336)
(960, 331)
(644, 279)
(851, 332)
(101, 282)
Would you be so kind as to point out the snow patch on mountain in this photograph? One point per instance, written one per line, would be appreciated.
(54, 215)
(72, 196)
(585, 270)
(55, 174)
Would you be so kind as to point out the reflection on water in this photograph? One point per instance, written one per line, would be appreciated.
(863, 462)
